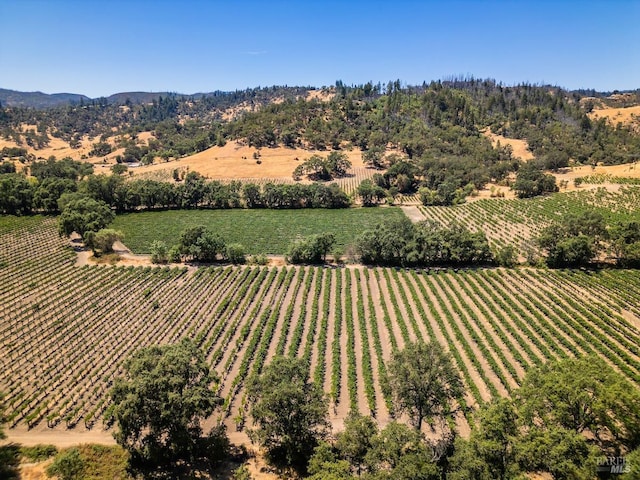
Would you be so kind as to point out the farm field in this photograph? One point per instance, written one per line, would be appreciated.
(67, 330)
(516, 221)
(259, 230)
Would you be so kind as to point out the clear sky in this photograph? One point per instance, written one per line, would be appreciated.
(98, 48)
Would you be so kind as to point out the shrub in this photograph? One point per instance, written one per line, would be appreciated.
(506, 256)
(38, 453)
(174, 254)
(67, 465)
(260, 259)
(159, 252)
(235, 254)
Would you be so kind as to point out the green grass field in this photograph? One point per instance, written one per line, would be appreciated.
(260, 231)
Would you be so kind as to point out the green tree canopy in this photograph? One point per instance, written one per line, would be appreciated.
(201, 244)
(625, 239)
(574, 241)
(425, 383)
(311, 249)
(102, 241)
(584, 395)
(158, 404)
(399, 452)
(532, 181)
(370, 194)
(355, 441)
(489, 454)
(82, 214)
(67, 465)
(289, 412)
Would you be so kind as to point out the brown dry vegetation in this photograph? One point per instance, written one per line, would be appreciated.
(617, 114)
(234, 161)
(520, 147)
(626, 170)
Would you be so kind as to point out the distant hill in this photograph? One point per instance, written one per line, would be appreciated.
(39, 100)
(140, 97)
(14, 98)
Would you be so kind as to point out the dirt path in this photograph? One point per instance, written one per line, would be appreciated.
(344, 402)
(363, 404)
(59, 437)
(413, 212)
(381, 413)
(383, 296)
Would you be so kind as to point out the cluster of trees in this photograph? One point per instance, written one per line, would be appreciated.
(313, 249)
(198, 244)
(531, 181)
(564, 419)
(89, 218)
(567, 418)
(50, 179)
(436, 127)
(158, 405)
(439, 179)
(401, 243)
(431, 121)
(290, 418)
(579, 239)
(181, 124)
(318, 167)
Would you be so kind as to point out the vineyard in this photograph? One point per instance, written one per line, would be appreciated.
(259, 230)
(67, 329)
(514, 222)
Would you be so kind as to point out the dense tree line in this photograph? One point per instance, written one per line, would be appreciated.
(401, 243)
(581, 239)
(21, 195)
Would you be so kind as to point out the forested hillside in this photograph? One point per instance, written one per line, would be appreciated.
(426, 121)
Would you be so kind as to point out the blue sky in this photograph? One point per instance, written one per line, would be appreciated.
(103, 47)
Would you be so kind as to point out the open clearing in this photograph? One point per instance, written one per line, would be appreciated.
(68, 329)
(617, 114)
(236, 161)
(520, 147)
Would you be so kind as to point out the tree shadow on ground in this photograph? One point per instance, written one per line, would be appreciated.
(9, 461)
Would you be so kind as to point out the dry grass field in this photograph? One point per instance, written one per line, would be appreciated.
(617, 114)
(234, 161)
(520, 147)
